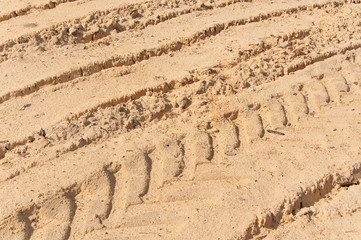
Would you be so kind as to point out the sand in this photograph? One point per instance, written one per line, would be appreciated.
(191, 119)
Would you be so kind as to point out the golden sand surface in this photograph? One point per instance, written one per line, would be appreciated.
(180, 119)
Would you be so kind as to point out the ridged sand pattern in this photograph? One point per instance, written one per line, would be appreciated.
(190, 119)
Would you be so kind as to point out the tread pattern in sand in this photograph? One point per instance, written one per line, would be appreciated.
(201, 132)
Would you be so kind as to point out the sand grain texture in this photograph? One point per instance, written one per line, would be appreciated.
(191, 119)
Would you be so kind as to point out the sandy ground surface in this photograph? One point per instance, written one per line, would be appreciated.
(180, 119)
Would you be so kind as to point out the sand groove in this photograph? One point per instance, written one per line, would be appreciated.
(302, 35)
(221, 120)
(340, 202)
(163, 88)
(135, 121)
(306, 198)
(41, 5)
(145, 54)
(252, 129)
(89, 29)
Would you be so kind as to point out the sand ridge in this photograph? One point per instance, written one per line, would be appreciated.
(180, 119)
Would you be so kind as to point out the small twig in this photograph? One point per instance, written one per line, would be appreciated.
(275, 132)
(25, 106)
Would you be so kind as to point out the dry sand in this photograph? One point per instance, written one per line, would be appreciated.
(180, 119)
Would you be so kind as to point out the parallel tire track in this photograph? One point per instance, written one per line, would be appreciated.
(89, 29)
(247, 55)
(174, 154)
(170, 86)
(118, 61)
(149, 166)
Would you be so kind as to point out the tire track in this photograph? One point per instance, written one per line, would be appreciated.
(96, 135)
(322, 57)
(290, 108)
(163, 88)
(298, 53)
(145, 54)
(167, 87)
(155, 165)
(164, 110)
(89, 30)
(207, 153)
(82, 117)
